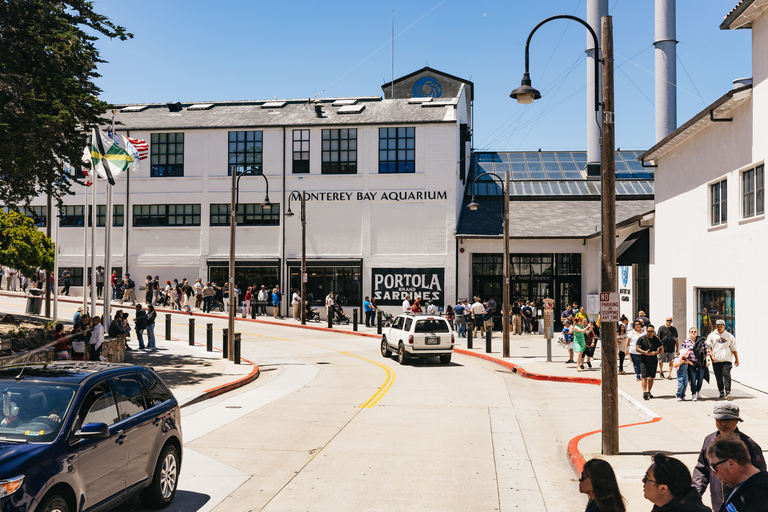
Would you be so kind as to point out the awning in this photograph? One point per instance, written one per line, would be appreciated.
(635, 249)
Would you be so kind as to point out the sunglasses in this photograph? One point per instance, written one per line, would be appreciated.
(713, 467)
(583, 477)
(646, 480)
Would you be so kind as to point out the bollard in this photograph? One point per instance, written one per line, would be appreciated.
(549, 350)
(330, 317)
(488, 335)
(354, 320)
(167, 327)
(209, 337)
(470, 327)
(378, 322)
(191, 332)
(237, 348)
(254, 305)
(225, 345)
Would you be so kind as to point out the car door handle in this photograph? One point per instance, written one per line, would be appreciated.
(157, 421)
(120, 437)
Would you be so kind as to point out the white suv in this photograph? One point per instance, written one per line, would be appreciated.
(413, 335)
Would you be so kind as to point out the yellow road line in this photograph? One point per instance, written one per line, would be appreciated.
(388, 381)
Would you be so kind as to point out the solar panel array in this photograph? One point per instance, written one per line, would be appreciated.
(557, 173)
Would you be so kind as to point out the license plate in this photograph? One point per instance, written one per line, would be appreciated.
(433, 340)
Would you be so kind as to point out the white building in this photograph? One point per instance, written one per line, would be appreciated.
(710, 233)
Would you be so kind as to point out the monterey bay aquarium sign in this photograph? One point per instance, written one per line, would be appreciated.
(336, 197)
(392, 285)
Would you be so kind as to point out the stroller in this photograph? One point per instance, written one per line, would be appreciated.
(387, 319)
(338, 315)
(312, 314)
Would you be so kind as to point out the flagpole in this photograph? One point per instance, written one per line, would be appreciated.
(94, 210)
(85, 247)
(108, 247)
(55, 263)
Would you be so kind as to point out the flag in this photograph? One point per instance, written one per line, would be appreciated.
(108, 158)
(129, 148)
(141, 146)
(86, 167)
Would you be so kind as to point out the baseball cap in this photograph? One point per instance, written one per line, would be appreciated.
(720, 322)
(726, 412)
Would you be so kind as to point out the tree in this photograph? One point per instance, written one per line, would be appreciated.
(48, 101)
(22, 245)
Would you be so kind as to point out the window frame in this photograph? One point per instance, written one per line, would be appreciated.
(71, 220)
(248, 214)
(718, 203)
(753, 192)
(300, 163)
(118, 219)
(160, 215)
(390, 141)
(339, 151)
(159, 149)
(241, 149)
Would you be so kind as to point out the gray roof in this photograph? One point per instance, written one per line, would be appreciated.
(554, 219)
(241, 114)
(742, 16)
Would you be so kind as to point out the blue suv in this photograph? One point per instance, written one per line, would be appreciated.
(85, 436)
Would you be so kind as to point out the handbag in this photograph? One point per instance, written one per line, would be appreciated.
(78, 346)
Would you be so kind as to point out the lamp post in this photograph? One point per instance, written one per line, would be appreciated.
(608, 280)
(302, 196)
(505, 292)
(236, 175)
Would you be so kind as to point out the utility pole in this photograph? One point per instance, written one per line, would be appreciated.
(608, 281)
(48, 222)
(505, 316)
(303, 258)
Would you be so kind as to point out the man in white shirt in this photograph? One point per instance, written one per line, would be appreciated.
(329, 305)
(263, 297)
(407, 304)
(722, 350)
(477, 309)
(296, 303)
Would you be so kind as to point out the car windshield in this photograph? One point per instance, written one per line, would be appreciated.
(34, 411)
(432, 325)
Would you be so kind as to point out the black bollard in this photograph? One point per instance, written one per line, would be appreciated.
(354, 320)
(191, 332)
(488, 335)
(167, 327)
(254, 305)
(378, 322)
(237, 348)
(330, 318)
(225, 345)
(470, 327)
(209, 338)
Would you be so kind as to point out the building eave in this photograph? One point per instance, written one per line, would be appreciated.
(742, 16)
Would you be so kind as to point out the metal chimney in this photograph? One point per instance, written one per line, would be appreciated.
(666, 68)
(596, 9)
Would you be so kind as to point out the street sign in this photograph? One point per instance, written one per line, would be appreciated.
(609, 307)
(549, 324)
(549, 303)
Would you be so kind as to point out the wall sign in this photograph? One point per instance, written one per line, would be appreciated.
(426, 87)
(391, 285)
(394, 196)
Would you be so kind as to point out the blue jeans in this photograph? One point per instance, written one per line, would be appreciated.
(636, 364)
(682, 381)
(140, 337)
(461, 327)
(151, 336)
(696, 378)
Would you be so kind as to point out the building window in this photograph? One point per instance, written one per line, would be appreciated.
(397, 150)
(245, 151)
(248, 214)
(719, 202)
(300, 151)
(75, 276)
(715, 304)
(101, 215)
(340, 151)
(38, 214)
(167, 154)
(753, 192)
(71, 216)
(150, 215)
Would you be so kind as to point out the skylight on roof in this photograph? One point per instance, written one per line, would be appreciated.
(134, 108)
(200, 106)
(420, 100)
(341, 103)
(274, 104)
(351, 109)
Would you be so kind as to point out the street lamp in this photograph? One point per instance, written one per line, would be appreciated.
(608, 282)
(474, 206)
(236, 175)
(302, 196)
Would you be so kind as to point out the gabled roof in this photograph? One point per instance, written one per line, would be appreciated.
(431, 71)
(744, 14)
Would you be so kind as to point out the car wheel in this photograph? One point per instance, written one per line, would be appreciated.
(445, 358)
(402, 355)
(54, 503)
(161, 491)
(385, 352)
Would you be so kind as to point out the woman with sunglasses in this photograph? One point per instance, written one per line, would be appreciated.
(598, 482)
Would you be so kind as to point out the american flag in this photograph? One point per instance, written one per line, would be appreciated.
(141, 146)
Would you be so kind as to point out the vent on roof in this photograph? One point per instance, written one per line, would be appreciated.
(438, 104)
(420, 100)
(174, 106)
(274, 104)
(341, 103)
(351, 109)
(134, 108)
(200, 106)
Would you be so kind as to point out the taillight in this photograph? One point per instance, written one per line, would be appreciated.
(452, 340)
(410, 339)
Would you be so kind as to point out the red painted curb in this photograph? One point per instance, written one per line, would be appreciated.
(218, 390)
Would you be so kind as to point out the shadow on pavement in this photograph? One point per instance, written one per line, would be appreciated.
(175, 369)
(184, 501)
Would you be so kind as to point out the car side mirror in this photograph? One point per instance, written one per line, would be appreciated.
(93, 430)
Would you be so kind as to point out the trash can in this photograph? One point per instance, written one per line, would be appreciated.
(34, 301)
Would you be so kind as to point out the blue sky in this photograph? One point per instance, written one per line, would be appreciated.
(197, 50)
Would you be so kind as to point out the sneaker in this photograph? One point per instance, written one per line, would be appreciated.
(589, 364)
(698, 395)
(729, 397)
(645, 396)
(661, 374)
(680, 399)
(650, 395)
(578, 368)
(695, 397)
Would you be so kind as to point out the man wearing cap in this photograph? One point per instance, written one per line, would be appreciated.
(726, 420)
(722, 351)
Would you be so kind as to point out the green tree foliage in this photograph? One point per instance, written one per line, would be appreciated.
(48, 100)
(22, 245)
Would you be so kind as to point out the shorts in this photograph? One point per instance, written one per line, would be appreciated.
(569, 345)
(648, 367)
(666, 357)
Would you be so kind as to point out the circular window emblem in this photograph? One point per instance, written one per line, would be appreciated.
(426, 87)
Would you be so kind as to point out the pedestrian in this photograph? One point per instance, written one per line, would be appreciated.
(516, 318)
(644, 319)
(729, 459)
(262, 298)
(151, 319)
(198, 286)
(567, 313)
(276, 302)
(461, 319)
(568, 339)
(97, 339)
(581, 315)
(722, 351)
(329, 302)
(450, 315)
(407, 304)
(621, 341)
(60, 345)
(113, 283)
(65, 281)
(368, 311)
(187, 291)
(99, 282)
(247, 302)
(416, 306)
(681, 364)
(140, 325)
(477, 317)
(698, 372)
(667, 484)
(634, 355)
(208, 293)
(78, 314)
(148, 287)
(668, 336)
(727, 423)
(598, 482)
(488, 318)
(128, 285)
(296, 305)
(431, 308)
(534, 318)
(687, 367)
(649, 346)
(580, 341)
(591, 338)
(177, 294)
(527, 313)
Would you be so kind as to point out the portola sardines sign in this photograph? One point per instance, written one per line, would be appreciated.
(392, 285)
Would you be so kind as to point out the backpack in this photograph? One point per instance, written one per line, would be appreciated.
(700, 351)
